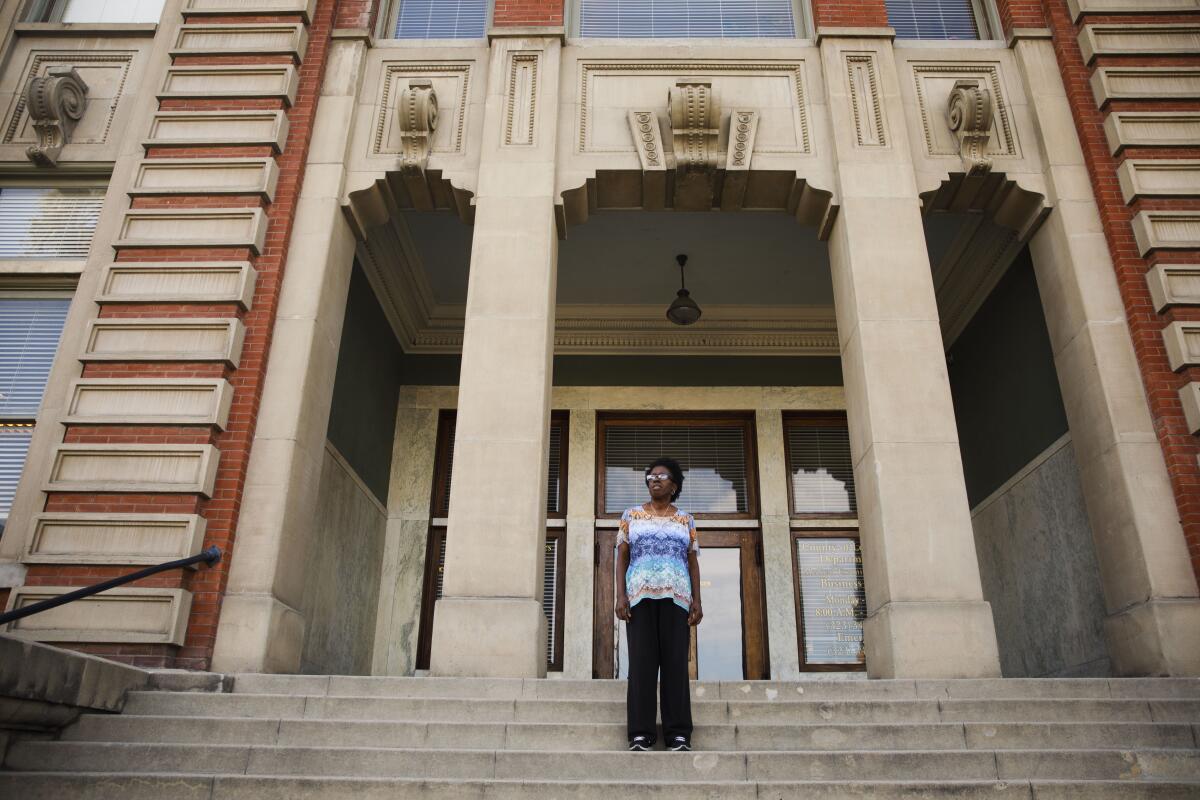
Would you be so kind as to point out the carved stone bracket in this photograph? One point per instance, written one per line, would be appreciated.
(969, 113)
(417, 115)
(56, 102)
(647, 137)
(695, 125)
(743, 126)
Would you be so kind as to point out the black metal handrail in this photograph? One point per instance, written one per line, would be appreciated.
(209, 556)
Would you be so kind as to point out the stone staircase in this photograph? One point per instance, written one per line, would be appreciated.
(299, 737)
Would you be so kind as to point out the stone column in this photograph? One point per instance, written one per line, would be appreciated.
(784, 645)
(579, 613)
(1153, 623)
(489, 621)
(926, 613)
(261, 628)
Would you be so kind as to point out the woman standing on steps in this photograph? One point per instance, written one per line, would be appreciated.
(658, 595)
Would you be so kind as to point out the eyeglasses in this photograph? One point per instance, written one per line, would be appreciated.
(657, 477)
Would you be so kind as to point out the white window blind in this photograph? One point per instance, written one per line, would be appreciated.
(553, 473)
(821, 471)
(14, 444)
(441, 19)
(933, 19)
(48, 223)
(687, 18)
(111, 10)
(713, 458)
(29, 334)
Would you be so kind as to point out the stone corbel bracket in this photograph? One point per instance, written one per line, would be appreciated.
(417, 117)
(647, 137)
(743, 126)
(695, 129)
(56, 102)
(969, 111)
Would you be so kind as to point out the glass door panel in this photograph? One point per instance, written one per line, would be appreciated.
(719, 638)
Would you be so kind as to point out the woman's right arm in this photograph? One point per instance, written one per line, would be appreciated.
(622, 598)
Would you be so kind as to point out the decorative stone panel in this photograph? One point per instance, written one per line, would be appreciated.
(1189, 397)
(520, 101)
(1145, 83)
(1081, 7)
(1166, 230)
(229, 8)
(105, 72)
(870, 124)
(935, 82)
(121, 616)
(1152, 129)
(274, 81)
(1174, 284)
(1136, 40)
(178, 282)
(1166, 177)
(1182, 340)
(223, 128)
(206, 176)
(610, 89)
(113, 538)
(185, 468)
(249, 39)
(204, 227)
(150, 401)
(175, 339)
(450, 84)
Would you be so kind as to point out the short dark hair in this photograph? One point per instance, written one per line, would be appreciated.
(676, 473)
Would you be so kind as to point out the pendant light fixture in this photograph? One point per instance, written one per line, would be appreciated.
(683, 311)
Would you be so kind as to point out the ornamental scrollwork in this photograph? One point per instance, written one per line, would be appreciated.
(417, 113)
(56, 102)
(695, 125)
(969, 113)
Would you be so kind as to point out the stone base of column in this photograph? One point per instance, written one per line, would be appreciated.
(1156, 638)
(935, 639)
(488, 637)
(257, 633)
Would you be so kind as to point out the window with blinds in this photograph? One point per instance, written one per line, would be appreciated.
(820, 469)
(555, 489)
(14, 445)
(441, 19)
(48, 223)
(552, 572)
(95, 11)
(691, 19)
(934, 19)
(714, 456)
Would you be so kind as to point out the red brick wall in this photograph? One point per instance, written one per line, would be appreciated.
(1020, 14)
(1145, 324)
(527, 12)
(849, 13)
(222, 509)
(356, 14)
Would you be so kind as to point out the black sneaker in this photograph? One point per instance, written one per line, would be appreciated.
(679, 744)
(640, 744)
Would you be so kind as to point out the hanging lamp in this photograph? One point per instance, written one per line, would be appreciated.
(683, 311)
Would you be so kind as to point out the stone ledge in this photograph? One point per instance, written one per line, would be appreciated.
(143, 539)
(193, 227)
(244, 39)
(1174, 284)
(178, 282)
(122, 615)
(1151, 129)
(266, 81)
(1138, 40)
(167, 339)
(1080, 7)
(1166, 230)
(230, 8)
(133, 468)
(1153, 177)
(1182, 341)
(218, 129)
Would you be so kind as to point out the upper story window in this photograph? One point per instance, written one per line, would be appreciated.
(938, 19)
(95, 11)
(441, 19)
(47, 223)
(692, 19)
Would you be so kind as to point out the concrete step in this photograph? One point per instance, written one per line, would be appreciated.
(457, 709)
(612, 736)
(809, 689)
(844, 765)
(109, 786)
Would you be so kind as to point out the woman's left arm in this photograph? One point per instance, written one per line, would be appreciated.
(696, 613)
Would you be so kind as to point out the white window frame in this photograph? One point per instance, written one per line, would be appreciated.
(385, 26)
(801, 17)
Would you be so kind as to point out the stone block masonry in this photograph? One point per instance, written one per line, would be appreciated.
(205, 326)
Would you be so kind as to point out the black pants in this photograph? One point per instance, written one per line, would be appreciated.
(658, 638)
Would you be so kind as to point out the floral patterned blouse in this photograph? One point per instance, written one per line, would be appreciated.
(658, 555)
